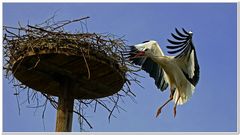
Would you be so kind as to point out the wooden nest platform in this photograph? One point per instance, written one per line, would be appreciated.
(92, 74)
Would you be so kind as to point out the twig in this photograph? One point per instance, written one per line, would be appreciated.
(86, 64)
(17, 102)
(83, 118)
(76, 20)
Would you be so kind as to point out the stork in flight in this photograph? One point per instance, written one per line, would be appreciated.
(180, 72)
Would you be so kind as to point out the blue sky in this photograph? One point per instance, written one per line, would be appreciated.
(213, 106)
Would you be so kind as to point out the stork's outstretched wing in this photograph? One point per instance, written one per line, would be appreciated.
(186, 56)
(148, 65)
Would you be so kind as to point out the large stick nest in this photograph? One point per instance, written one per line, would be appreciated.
(36, 57)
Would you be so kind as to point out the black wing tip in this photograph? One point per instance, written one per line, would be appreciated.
(130, 56)
(184, 36)
(195, 79)
(172, 42)
(132, 47)
(146, 41)
(184, 33)
(133, 51)
(130, 52)
(196, 73)
(177, 42)
(177, 37)
(187, 33)
(181, 42)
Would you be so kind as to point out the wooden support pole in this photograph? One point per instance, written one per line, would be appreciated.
(65, 108)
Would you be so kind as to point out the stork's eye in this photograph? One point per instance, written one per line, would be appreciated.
(146, 49)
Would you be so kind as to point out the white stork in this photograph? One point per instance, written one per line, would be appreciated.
(180, 72)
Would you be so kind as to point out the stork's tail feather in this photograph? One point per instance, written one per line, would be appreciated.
(185, 95)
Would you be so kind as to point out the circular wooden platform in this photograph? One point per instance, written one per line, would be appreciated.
(46, 70)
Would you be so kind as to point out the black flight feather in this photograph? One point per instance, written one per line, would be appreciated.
(184, 48)
(180, 34)
(146, 41)
(177, 38)
(185, 32)
(174, 47)
(175, 42)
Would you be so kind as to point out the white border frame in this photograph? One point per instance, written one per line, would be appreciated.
(123, 1)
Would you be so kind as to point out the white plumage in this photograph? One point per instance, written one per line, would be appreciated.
(180, 72)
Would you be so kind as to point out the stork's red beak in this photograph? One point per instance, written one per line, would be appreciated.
(139, 54)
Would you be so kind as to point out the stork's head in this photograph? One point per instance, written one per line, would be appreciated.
(144, 53)
(147, 52)
(145, 49)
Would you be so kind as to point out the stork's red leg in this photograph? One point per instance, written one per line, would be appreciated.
(160, 108)
(175, 107)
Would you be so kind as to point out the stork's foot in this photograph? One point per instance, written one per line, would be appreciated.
(159, 111)
(175, 111)
(160, 108)
(175, 107)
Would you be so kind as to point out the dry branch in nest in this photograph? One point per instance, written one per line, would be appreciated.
(41, 57)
